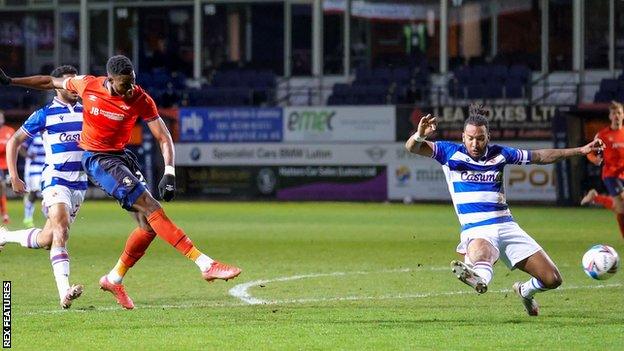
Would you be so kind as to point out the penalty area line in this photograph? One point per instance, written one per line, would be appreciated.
(241, 291)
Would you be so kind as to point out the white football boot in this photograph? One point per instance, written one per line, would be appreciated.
(73, 293)
(468, 276)
(530, 305)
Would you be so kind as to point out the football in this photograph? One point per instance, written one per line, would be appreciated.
(601, 262)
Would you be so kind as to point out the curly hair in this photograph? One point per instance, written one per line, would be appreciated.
(119, 65)
(477, 116)
(63, 70)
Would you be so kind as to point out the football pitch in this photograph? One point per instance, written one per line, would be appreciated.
(315, 276)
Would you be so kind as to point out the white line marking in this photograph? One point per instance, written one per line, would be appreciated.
(240, 292)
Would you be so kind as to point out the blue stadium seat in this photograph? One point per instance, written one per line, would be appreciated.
(520, 72)
(514, 89)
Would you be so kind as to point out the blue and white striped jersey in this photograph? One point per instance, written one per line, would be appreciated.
(476, 186)
(36, 156)
(60, 126)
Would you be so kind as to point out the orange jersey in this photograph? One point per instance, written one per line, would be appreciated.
(108, 119)
(613, 154)
(6, 133)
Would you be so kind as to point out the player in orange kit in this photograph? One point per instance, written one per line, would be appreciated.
(112, 105)
(612, 161)
(5, 134)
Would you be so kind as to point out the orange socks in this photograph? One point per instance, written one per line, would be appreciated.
(171, 233)
(607, 202)
(604, 200)
(138, 241)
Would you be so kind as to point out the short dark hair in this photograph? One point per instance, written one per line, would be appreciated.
(60, 71)
(477, 116)
(119, 65)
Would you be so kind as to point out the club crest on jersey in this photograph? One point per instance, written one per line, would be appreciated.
(127, 181)
(92, 97)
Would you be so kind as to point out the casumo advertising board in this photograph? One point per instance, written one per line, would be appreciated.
(339, 124)
(419, 178)
(233, 125)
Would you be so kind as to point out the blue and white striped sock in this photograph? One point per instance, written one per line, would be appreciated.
(484, 270)
(532, 286)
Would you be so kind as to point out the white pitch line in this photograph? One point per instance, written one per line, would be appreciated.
(241, 291)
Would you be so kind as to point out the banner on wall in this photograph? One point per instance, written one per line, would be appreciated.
(196, 154)
(339, 124)
(232, 182)
(230, 125)
(507, 122)
(332, 183)
(328, 183)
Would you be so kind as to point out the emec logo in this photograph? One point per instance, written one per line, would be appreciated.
(316, 121)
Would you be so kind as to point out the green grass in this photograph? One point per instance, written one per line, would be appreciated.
(396, 291)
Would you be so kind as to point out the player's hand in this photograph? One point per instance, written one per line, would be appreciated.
(427, 125)
(4, 79)
(18, 185)
(595, 146)
(166, 187)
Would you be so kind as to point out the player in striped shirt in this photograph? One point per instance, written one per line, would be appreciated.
(34, 153)
(474, 174)
(63, 182)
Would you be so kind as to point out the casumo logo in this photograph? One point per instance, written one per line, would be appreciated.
(315, 121)
(64, 137)
(480, 177)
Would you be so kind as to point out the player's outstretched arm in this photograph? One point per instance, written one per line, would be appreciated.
(166, 187)
(417, 144)
(13, 145)
(545, 156)
(33, 82)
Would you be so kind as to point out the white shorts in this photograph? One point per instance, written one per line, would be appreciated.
(513, 243)
(33, 183)
(58, 194)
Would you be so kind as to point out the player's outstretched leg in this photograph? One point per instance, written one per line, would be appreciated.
(544, 276)
(170, 232)
(469, 276)
(28, 238)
